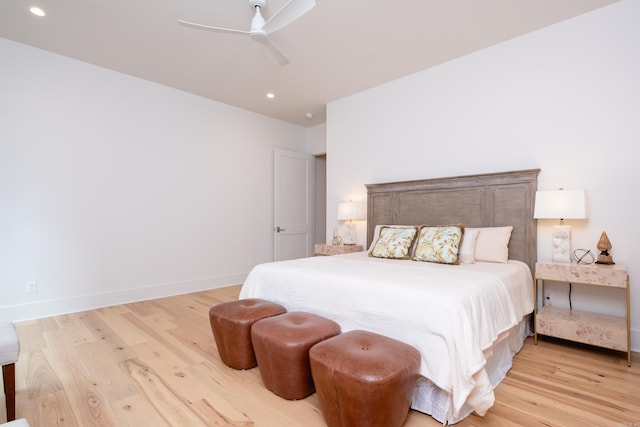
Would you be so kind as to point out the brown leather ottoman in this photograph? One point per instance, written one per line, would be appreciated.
(282, 344)
(231, 326)
(364, 379)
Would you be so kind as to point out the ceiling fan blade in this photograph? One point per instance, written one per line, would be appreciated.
(210, 28)
(291, 11)
(273, 51)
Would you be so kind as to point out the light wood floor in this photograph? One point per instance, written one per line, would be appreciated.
(155, 363)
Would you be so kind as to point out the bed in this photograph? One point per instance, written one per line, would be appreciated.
(467, 319)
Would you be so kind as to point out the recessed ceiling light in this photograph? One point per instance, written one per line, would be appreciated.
(270, 95)
(309, 115)
(37, 11)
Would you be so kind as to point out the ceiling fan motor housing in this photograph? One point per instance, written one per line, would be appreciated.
(256, 25)
(259, 3)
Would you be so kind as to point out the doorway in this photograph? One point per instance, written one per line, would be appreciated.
(320, 183)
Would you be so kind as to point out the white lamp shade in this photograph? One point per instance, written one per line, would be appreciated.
(560, 204)
(349, 211)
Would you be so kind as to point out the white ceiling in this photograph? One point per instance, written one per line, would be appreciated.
(339, 48)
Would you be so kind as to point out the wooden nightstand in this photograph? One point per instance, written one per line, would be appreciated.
(326, 250)
(581, 326)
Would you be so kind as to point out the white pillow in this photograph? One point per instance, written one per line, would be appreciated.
(492, 244)
(468, 247)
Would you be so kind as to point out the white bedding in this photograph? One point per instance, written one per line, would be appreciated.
(450, 313)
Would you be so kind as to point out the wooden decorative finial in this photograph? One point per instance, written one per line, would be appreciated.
(604, 245)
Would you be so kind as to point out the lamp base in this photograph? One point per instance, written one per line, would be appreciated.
(561, 238)
(350, 237)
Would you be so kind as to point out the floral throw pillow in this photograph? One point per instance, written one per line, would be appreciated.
(395, 243)
(439, 244)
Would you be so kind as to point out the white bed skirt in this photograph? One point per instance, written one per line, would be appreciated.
(431, 400)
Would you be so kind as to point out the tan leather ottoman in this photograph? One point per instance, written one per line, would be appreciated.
(282, 344)
(231, 326)
(364, 379)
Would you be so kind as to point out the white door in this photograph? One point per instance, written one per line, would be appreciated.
(293, 213)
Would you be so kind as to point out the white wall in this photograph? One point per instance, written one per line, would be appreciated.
(114, 189)
(565, 99)
(317, 139)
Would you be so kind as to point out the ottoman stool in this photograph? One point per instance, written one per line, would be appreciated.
(282, 344)
(16, 423)
(364, 379)
(231, 326)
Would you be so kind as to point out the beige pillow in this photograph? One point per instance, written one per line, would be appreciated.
(394, 242)
(493, 244)
(439, 244)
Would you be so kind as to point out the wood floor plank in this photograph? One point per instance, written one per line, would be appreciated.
(42, 379)
(171, 406)
(137, 411)
(550, 407)
(162, 337)
(76, 326)
(82, 384)
(117, 320)
(156, 363)
(109, 376)
(53, 409)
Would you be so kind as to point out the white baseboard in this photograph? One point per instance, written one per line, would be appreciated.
(73, 304)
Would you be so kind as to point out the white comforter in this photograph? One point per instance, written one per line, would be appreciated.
(450, 313)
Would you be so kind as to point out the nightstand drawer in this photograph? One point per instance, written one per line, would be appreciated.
(592, 274)
(585, 327)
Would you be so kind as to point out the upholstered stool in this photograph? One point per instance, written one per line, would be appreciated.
(231, 326)
(282, 346)
(9, 350)
(364, 379)
(16, 423)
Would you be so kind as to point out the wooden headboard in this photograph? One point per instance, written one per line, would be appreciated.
(486, 200)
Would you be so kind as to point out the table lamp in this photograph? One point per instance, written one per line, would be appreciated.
(560, 204)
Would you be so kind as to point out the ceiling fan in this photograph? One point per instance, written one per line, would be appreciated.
(260, 29)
